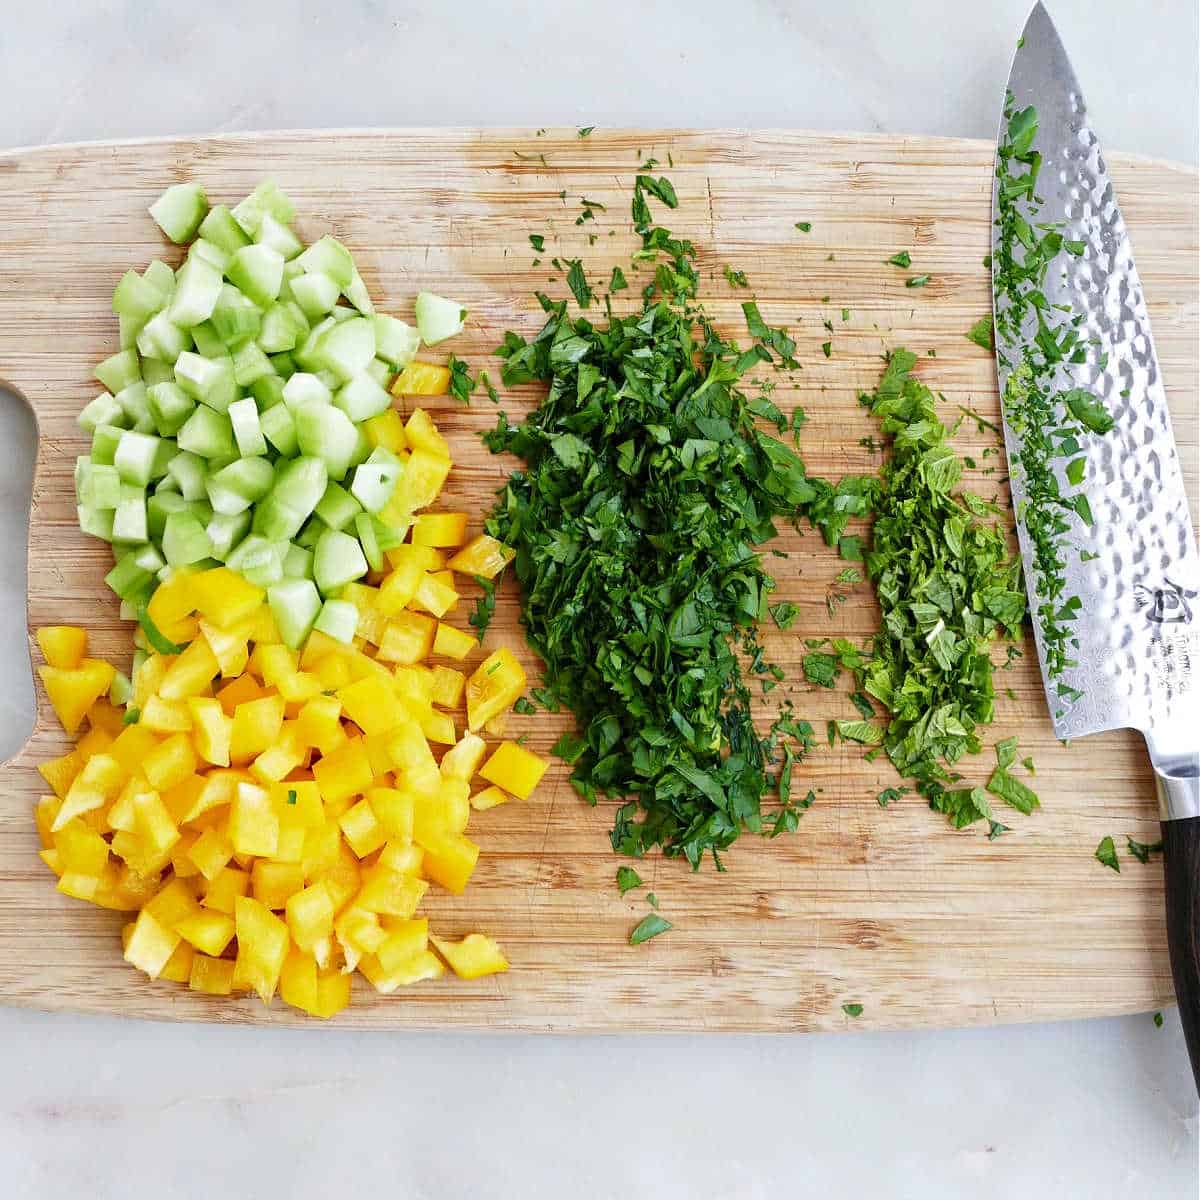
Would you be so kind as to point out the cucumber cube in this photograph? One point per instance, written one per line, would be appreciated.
(395, 341)
(275, 233)
(225, 530)
(379, 371)
(220, 228)
(162, 338)
(208, 434)
(149, 559)
(208, 342)
(267, 390)
(297, 563)
(266, 198)
(338, 619)
(95, 522)
(127, 579)
(236, 317)
(305, 354)
(337, 560)
(197, 286)
(189, 472)
(284, 364)
(154, 370)
(300, 485)
(103, 410)
(329, 257)
(356, 292)
(280, 331)
(129, 517)
(135, 298)
(234, 488)
(135, 404)
(374, 483)
(118, 371)
(97, 485)
(160, 277)
(294, 605)
(364, 527)
(327, 433)
(347, 348)
(158, 508)
(170, 406)
(179, 211)
(210, 252)
(209, 380)
(362, 398)
(279, 429)
(184, 540)
(337, 508)
(105, 439)
(249, 364)
(257, 272)
(314, 294)
(438, 318)
(135, 457)
(247, 432)
(302, 389)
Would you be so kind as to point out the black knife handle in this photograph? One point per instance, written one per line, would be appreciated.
(1181, 866)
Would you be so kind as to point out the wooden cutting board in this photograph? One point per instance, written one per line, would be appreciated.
(888, 908)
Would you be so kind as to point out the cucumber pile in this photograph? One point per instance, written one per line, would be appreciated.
(241, 421)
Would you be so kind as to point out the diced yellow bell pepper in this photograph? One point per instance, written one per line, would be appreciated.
(386, 429)
(131, 747)
(490, 797)
(407, 638)
(427, 558)
(423, 434)
(387, 892)
(253, 822)
(400, 585)
(462, 760)
(62, 646)
(515, 769)
(211, 729)
(153, 824)
(449, 860)
(452, 642)
(211, 852)
(265, 629)
(273, 663)
(410, 750)
(423, 965)
(241, 690)
(318, 723)
(256, 724)
(318, 646)
(483, 556)
(181, 798)
(442, 529)
(438, 727)
(281, 758)
(448, 685)
(405, 940)
(299, 687)
(229, 647)
(262, 947)
(225, 598)
(424, 476)
(208, 931)
(298, 801)
(273, 883)
(372, 704)
(474, 956)
(217, 791)
(494, 686)
(332, 672)
(92, 788)
(404, 858)
(150, 945)
(80, 849)
(224, 890)
(435, 596)
(44, 811)
(179, 966)
(358, 931)
(60, 772)
(191, 673)
(73, 690)
(298, 982)
(213, 976)
(343, 773)
(394, 810)
(333, 994)
(422, 379)
(172, 902)
(362, 829)
(310, 915)
(106, 716)
(148, 677)
(166, 716)
(170, 762)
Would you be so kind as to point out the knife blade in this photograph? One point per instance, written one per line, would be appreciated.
(1103, 522)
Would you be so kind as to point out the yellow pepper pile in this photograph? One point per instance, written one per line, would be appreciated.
(275, 817)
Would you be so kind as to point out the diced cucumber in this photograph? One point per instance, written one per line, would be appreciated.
(148, 558)
(208, 342)
(337, 507)
(97, 485)
(438, 318)
(135, 404)
(294, 605)
(220, 228)
(338, 619)
(210, 252)
(310, 535)
(280, 429)
(329, 257)
(362, 448)
(300, 485)
(376, 479)
(168, 483)
(364, 527)
(266, 198)
(337, 559)
(179, 211)
(356, 292)
(184, 540)
(257, 272)
(127, 579)
(96, 522)
(284, 364)
(209, 380)
(314, 294)
(297, 563)
(189, 472)
(207, 433)
(154, 370)
(136, 299)
(234, 488)
(274, 233)
(197, 286)
(387, 536)
(160, 277)
(249, 364)
(103, 410)
(135, 457)
(362, 398)
(267, 390)
(162, 338)
(347, 347)
(118, 371)
(129, 517)
(306, 353)
(170, 406)
(105, 439)
(302, 389)
(379, 371)
(225, 530)
(342, 312)
(259, 560)
(158, 508)
(327, 433)
(236, 317)
(395, 341)
(280, 330)
(247, 431)
(127, 332)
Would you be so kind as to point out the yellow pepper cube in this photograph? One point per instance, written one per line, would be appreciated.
(445, 530)
(386, 429)
(241, 690)
(422, 379)
(173, 600)
(425, 965)
(44, 811)
(318, 723)
(60, 772)
(216, 791)
(462, 760)
(409, 750)
(191, 673)
(400, 585)
(179, 966)
(131, 747)
(405, 939)
(474, 956)
(515, 769)
(450, 859)
(253, 822)
(424, 476)
(106, 716)
(256, 725)
(483, 556)
(208, 931)
(298, 982)
(148, 677)
(262, 947)
(72, 691)
(150, 945)
(402, 857)
(298, 801)
(92, 788)
(407, 638)
(80, 849)
(310, 915)
(181, 855)
(132, 890)
(211, 853)
(281, 758)
(362, 829)
(359, 930)
(452, 642)
(170, 762)
(494, 687)
(448, 685)
(225, 598)
(333, 994)
(62, 646)
(213, 976)
(318, 646)
(344, 773)
(372, 704)
(273, 663)
(172, 902)
(389, 893)
(265, 629)
(273, 883)
(229, 646)
(166, 716)
(423, 434)
(211, 729)
(332, 673)
(435, 595)
(438, 727)
(299, 687)
(394, 811)
(153, 823)
(490, 797)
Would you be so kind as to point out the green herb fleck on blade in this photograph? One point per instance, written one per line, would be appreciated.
(648, 927)
(627, 879)
(1106, 853)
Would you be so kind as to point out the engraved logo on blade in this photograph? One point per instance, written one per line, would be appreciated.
(1166, 605)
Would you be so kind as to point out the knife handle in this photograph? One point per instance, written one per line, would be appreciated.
(1181, 866)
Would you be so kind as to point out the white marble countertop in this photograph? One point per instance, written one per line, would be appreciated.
(108, 1108)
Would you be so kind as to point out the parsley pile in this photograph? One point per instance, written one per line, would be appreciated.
(646, 491)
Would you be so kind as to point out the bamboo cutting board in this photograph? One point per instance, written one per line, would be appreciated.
(889, 908)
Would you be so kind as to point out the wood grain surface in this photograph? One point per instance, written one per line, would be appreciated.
(889, 908)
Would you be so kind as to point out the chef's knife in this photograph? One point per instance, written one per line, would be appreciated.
(1131, 646)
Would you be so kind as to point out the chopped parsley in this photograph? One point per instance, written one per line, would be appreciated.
(1106, 853)
(577, 282)
(916, 281)
(461, 383)
(648, 927)
(804, 226)
(627, 878)
(903, 259)
(1142, 850)
(853, 1010)
(981, 333)
(736, 278)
